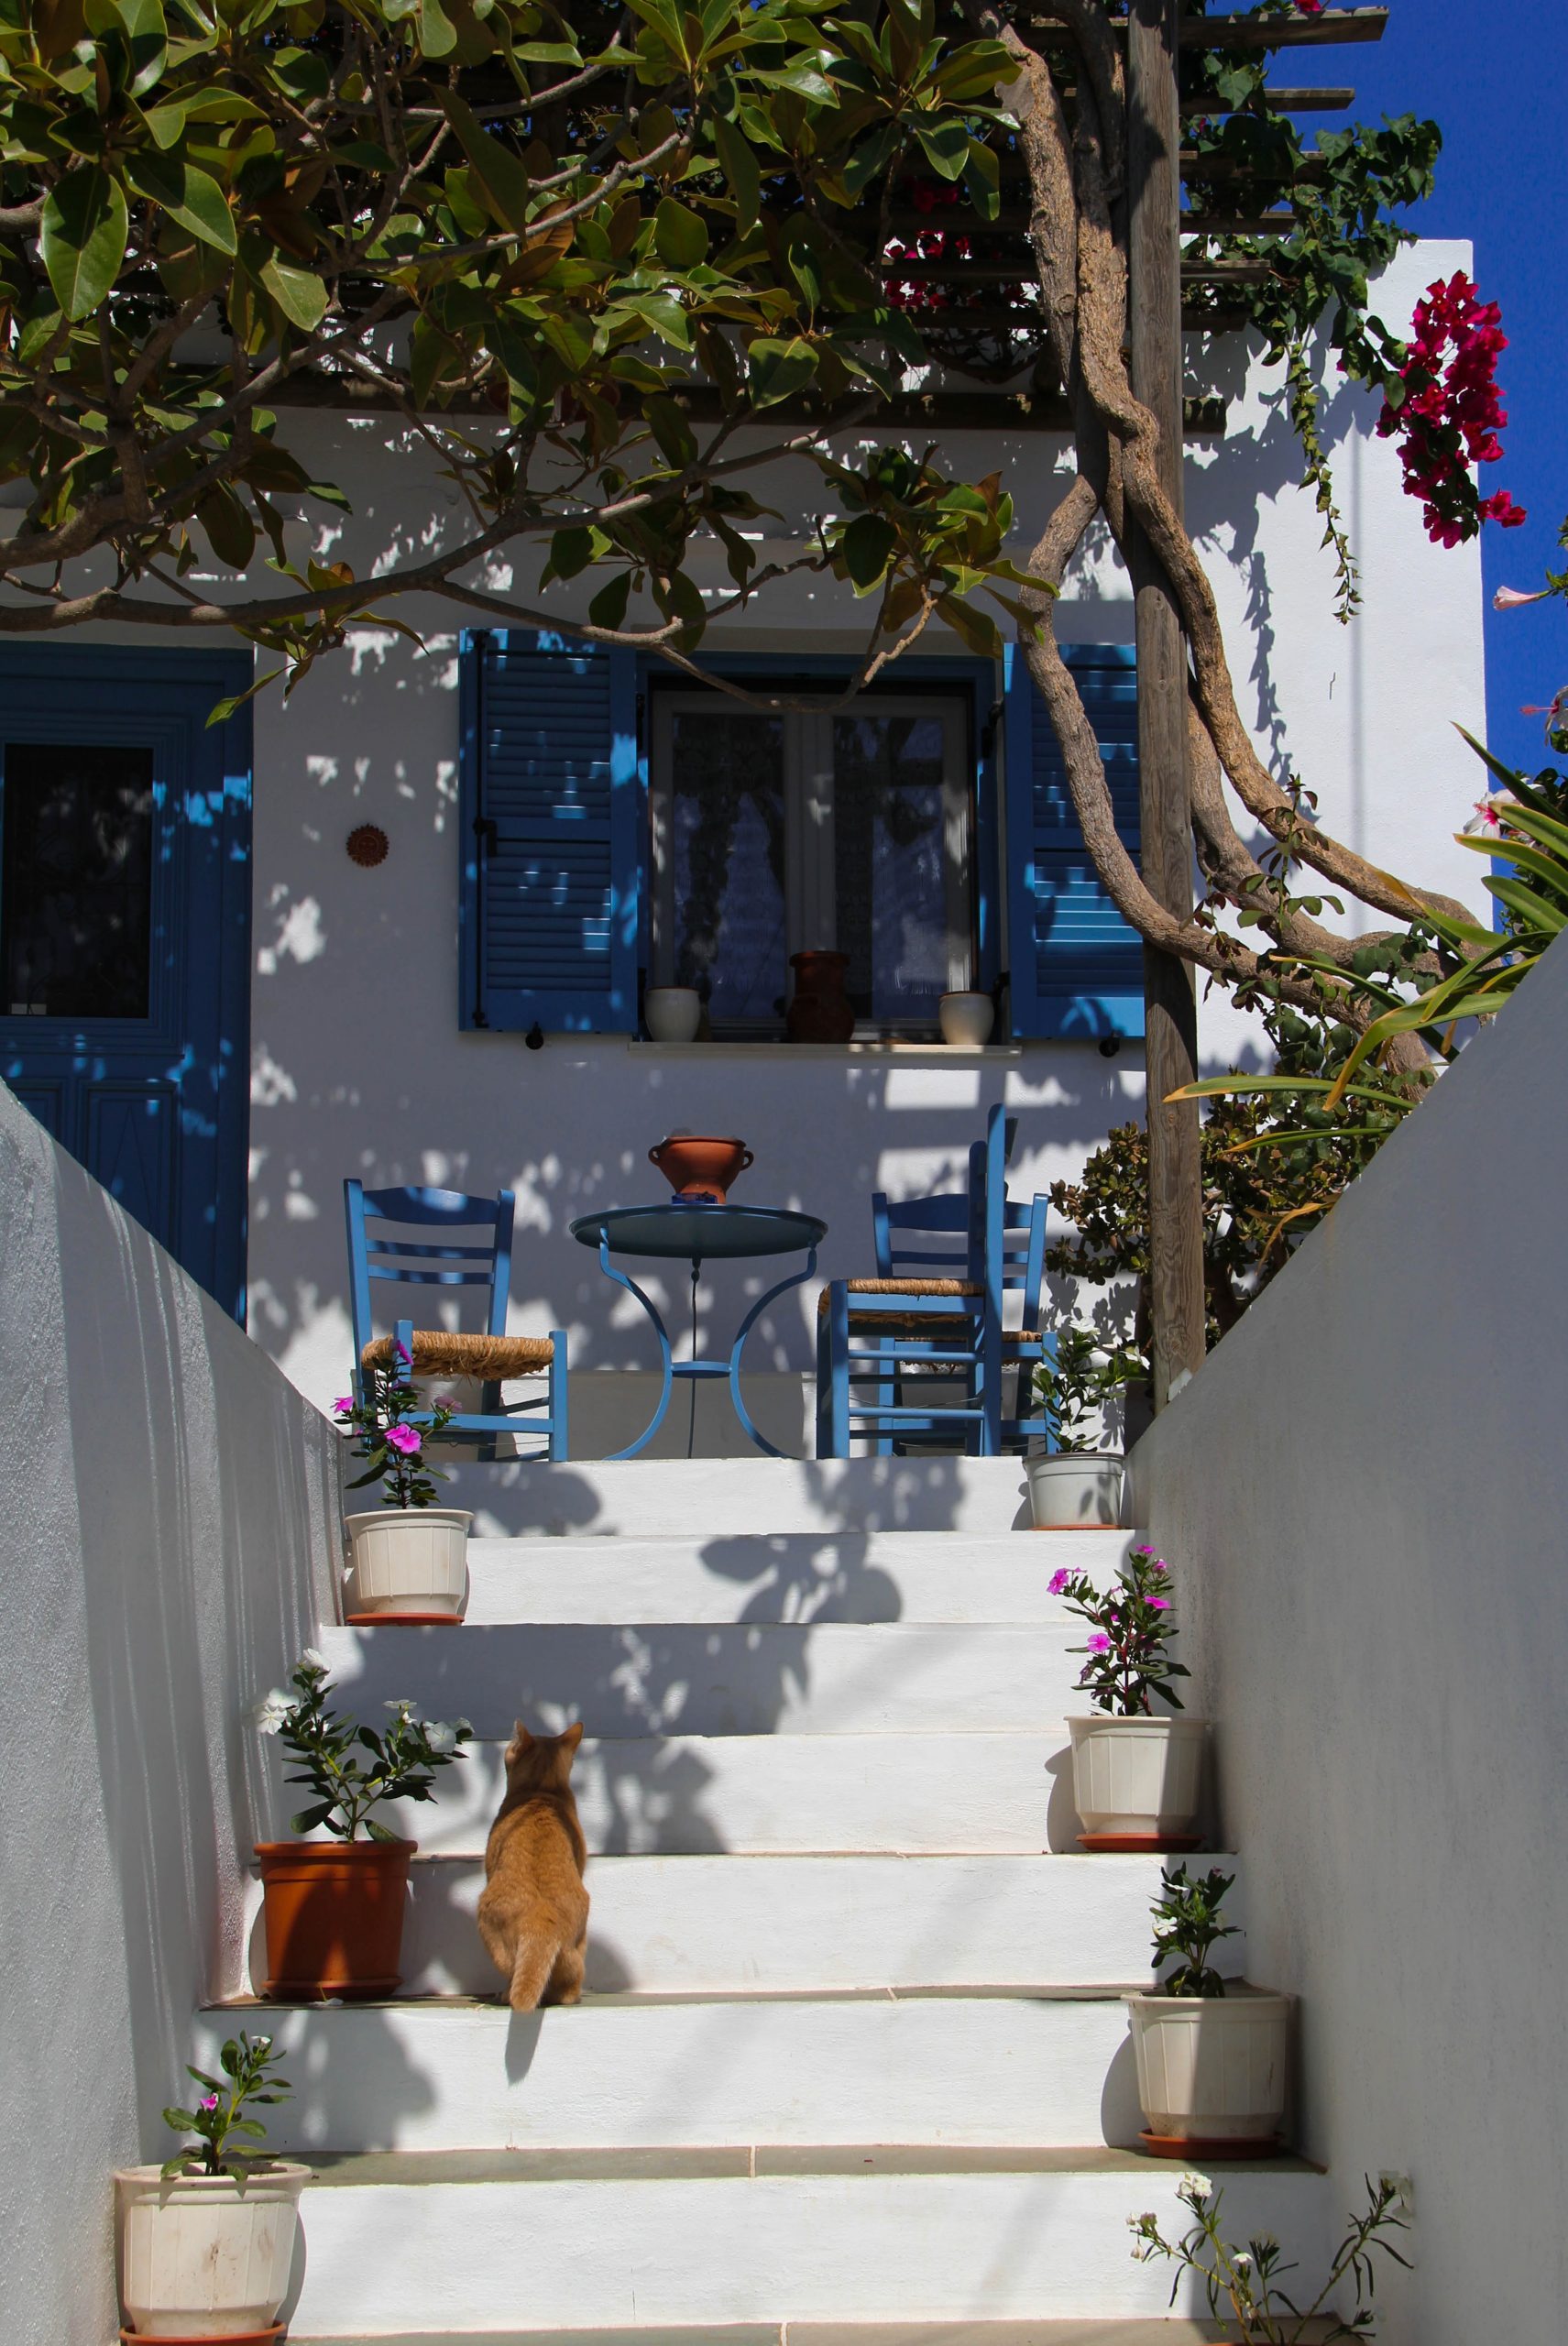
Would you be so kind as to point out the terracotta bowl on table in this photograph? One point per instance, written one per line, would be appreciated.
(700, 1167)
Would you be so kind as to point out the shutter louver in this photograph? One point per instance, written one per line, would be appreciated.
(552, 861)
(1076, 966)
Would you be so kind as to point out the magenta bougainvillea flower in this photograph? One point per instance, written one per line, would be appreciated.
(1450, 412)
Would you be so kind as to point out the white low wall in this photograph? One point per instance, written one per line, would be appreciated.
(1367, 1486)
(171, 1503)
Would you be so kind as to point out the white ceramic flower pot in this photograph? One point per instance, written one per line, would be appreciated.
(407, 1563)
(1076, 1490)
(673, 1014)
(206, 2256)
(966, 1019)
(1139, 1778)
(1212, 2069)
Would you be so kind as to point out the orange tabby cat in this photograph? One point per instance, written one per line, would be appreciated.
(534, 1909)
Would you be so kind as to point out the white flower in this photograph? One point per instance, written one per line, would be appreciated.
(440, 1737)
(402, 1706)
(1240, 2260)
(269, 1713)
(1193, 2185)
(463, 1727)
(313, 1658)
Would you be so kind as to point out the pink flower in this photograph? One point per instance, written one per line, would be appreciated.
(1159, 1604)
(1058, 1582)
(403, 1439)
(1311, 8)
(208, 2101)
(1508, 598)
(344, 1403)
(1488, 812)
(403, 1352)
(1099, 1642)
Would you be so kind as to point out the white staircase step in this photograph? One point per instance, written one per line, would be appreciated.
(1053, 2067)
(478, 2244)
(783, 1576)
(686, 1794)
(698, 1497)
(1155, 2329)
(734, 1925)
(720, 1678)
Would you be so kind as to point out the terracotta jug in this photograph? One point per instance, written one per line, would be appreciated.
(820, 1012)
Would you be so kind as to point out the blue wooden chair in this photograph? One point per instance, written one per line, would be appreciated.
(931, 1312)
(455, 1242)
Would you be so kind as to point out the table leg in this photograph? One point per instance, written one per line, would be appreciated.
(760, 1440)
(666, 1353)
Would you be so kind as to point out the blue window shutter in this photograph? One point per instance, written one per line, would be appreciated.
(1076, 970)
(551, 835)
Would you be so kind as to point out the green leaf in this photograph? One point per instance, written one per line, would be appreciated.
(866, 547)
(743, 172)
(502, 180)
(779, 369)
(299, 293)
(945, 146)
(190, 196)
(680, 235)
(83, 237)
(670, 429)
(437, 33)
(608, 606)
(379, 1832)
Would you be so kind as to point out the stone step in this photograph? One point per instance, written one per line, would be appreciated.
(721, 1678)
(734, 1925)
(1049, 2067)
(673, 2250)
(1156, 2329)
(701, 1498)
(681, 1795)
(800, 1576)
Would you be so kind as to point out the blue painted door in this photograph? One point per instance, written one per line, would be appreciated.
(124, 926)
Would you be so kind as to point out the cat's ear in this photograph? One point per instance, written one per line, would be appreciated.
(525, 1740)
(573, 1736)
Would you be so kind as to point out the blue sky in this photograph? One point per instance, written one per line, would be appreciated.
(1496, 78)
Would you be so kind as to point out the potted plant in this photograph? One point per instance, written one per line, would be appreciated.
(1248, 2280)
(1212, 2053)
(1138, 1774)
(333, 1909)
(672, 1013)
(1078, 1486)
(207, 2239)
(408, 1558)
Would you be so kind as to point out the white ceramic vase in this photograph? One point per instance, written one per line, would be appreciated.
(1142, 1777)
(1076, 1490)
(408, 1563)
(206, 2256)
(673, 1014)
(1212, 2069)
(966, 1019)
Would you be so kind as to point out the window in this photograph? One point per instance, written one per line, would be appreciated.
(620, 828)
(76, 880)
(849, 829)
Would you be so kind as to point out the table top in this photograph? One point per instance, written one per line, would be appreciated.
(699, 1232)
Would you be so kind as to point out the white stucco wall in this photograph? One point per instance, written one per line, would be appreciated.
(358, 1062)
(1365, 1490)
(171, 1507)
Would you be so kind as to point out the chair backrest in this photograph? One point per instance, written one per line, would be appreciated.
(948, 1216)
(458, 1242)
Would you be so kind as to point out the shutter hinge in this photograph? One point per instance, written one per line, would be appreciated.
(485, 831)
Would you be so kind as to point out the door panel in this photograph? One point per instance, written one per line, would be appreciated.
(125, 921)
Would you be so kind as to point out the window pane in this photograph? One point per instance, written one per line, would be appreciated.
(76, 886)
(889, 817)
(728, 851)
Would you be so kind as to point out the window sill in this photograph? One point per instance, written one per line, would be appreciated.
(933, 1054)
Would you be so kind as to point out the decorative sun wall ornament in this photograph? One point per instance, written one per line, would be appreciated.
(366, 844)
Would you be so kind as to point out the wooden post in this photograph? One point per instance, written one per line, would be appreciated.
(1176, 1210)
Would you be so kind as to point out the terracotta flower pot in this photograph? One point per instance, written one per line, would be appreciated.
(699, 1166)
(333, 1915)
(819, 1010)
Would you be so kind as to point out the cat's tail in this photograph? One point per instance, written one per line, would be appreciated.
(532, 1964)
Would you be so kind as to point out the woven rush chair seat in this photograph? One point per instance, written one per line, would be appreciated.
(907, 1323)
(442, 1352)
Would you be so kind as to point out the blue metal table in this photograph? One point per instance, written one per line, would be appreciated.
(696, 1233)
